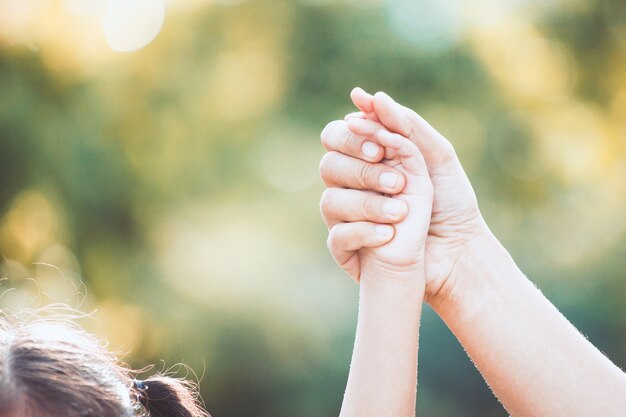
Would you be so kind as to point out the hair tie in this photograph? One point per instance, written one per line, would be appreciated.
(139, 384)
(140, 403)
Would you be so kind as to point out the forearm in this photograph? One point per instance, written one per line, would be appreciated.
(535, 361)
(383, 373)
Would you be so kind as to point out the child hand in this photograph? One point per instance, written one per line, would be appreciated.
(382, 249)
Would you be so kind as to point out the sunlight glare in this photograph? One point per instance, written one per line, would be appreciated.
(132, 24)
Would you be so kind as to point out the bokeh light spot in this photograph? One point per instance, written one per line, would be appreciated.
(132, 24)
(429, 25)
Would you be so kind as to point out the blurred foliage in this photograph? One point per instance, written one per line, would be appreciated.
(179, 182)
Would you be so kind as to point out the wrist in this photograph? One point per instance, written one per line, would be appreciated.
(475, 277)
(410, 277)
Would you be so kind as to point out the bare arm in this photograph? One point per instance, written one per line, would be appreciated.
(533, 358)
(535, 361)
(389, 263)
(383, 374)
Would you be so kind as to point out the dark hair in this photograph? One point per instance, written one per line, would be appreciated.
(51, 367)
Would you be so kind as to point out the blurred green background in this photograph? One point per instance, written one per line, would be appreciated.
(174, 188)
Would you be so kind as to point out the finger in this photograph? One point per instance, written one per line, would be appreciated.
(348, 237)
(344, 205)
(406, 122)
(345, 239)
(368, 128)
(337, 137)
(409, 153)
(354, 115)
(411, 157)
(363, 127)
(362, 100)
(343, 171)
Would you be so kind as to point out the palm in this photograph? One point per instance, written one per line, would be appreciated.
(455, 221)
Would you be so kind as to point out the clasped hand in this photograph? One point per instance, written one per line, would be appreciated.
(367, 186)
(400, 209)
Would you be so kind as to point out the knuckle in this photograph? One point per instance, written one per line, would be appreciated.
(329, 242)
(449, 147)
(347, 139)
(447, 152)
(367, 207)
(365, 175)
(326, 132)
(327, 200)
(325, 164)
(414, 123)
(335, 237)
(378, 135)
(329, 132)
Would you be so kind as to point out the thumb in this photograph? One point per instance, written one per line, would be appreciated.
(404, 121)
(364, 102)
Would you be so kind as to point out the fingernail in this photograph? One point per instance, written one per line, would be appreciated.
(389, 179)
(370, 149)
(384, 230)
(393, 208)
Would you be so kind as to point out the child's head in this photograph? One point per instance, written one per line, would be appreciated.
(50, 367)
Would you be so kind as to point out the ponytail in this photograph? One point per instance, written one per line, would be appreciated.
(50, 366)
(164, 396)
